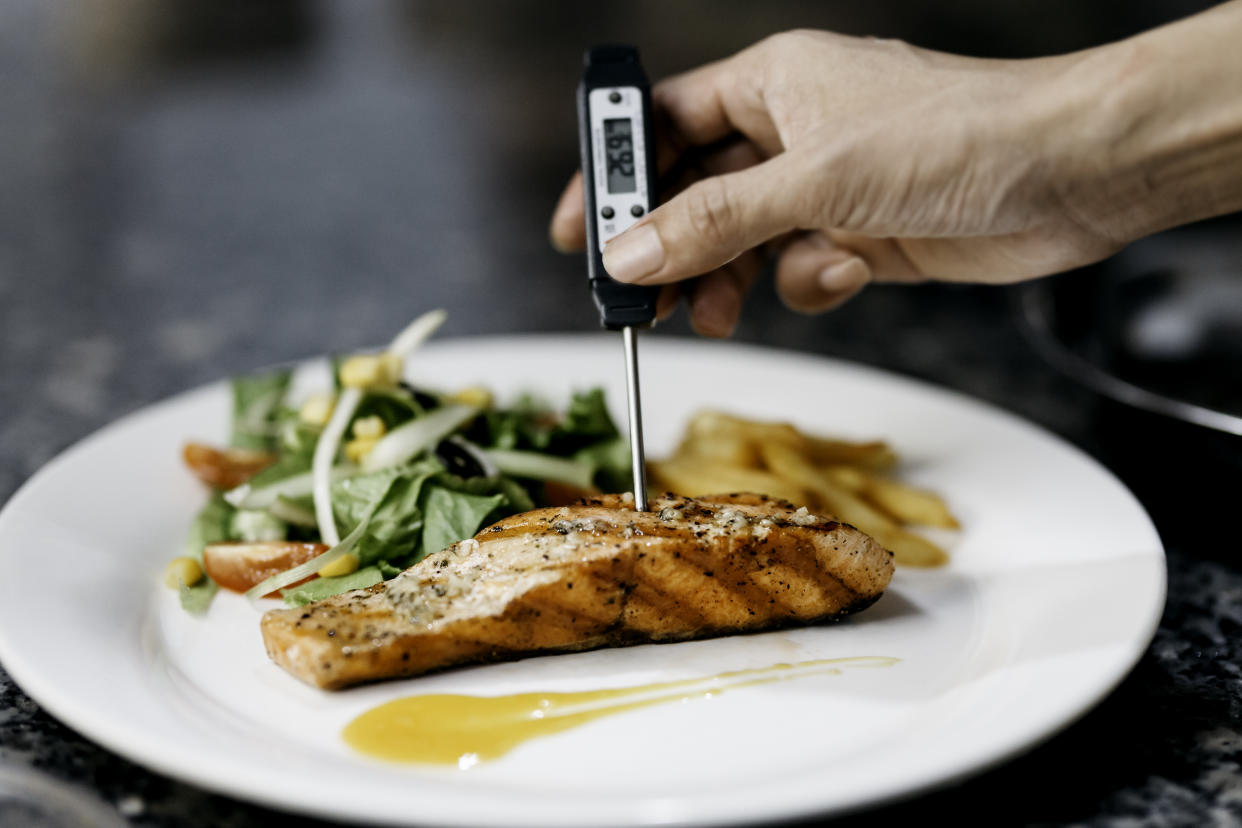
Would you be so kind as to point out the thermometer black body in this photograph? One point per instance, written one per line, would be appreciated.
(618, 173)
(618, 178)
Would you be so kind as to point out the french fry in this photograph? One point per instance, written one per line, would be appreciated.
(729, 448)
(715, 424)
(848, 508)
(723, 453)
(847, 477)
(872, 454)
(826, 495)
(787, 461)
(692, 478)
(910, 549)
(875, 454)
(908, 504)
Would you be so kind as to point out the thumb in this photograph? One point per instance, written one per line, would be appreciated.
(708, 224)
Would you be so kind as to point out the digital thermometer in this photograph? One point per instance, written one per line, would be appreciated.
(618, 178)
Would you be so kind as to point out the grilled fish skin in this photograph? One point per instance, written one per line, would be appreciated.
(580, 577)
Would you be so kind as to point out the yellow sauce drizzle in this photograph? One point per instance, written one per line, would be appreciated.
(449, 729)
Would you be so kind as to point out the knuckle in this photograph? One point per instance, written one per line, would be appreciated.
(769, 45)
(781, 41)
(774, 43)
(782, 49)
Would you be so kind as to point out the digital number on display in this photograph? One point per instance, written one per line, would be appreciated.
(619, 142)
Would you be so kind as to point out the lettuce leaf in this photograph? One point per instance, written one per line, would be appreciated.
(353, 496)
(395, 526)
(257, 525)
(214, 523)
(196, 599)
(295, 436)
(531, 425)
(388, 570)
(393, 407)
(324, 587)
(257, 399)
(388, 501)
(586, 421)
(525, 424)
(296, 444)
(517, 498)
(613, 470)
(287, 464)
(451, 516)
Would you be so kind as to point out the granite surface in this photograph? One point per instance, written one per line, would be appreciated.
(184, 196)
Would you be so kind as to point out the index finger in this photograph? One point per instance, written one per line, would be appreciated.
(694, 109)
(713, 102)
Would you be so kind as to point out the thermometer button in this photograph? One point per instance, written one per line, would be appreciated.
(636, 210)
(607, 212)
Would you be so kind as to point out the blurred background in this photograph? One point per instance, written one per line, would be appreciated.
(193, 189)
(197, 188)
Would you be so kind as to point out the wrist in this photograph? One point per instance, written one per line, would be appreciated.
(1146, 133)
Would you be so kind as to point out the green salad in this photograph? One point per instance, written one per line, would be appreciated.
(347, 488)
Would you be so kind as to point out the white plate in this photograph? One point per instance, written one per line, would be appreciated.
(1054, 591)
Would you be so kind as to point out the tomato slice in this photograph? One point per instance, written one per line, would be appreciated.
(225, 468)
(239, 566)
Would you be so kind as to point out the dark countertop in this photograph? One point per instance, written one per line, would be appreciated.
(195, 194)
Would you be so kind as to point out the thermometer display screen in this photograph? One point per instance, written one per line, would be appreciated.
(619, 145)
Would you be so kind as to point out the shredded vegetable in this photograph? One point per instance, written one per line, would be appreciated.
(542, 467)
(394, 473)
(321, 463)
(400, 445)
(294, 486)
(305, 570)
(416, 333)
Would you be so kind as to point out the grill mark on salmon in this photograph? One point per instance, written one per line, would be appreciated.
(585, 576)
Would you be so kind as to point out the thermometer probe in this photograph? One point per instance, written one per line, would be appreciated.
(618, 178)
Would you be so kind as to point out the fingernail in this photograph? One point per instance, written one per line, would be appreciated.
(845, 275)
(634, 254)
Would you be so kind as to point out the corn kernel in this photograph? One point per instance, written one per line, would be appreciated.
(317, 409)
(371, 370)
(183, 570)
(343, 565)
(359, 448)
(394, 367)
(369, 428)
(474, 395)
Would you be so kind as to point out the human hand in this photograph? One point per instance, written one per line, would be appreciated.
(854, 160)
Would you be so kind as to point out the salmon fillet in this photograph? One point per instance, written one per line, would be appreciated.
(591, 575)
